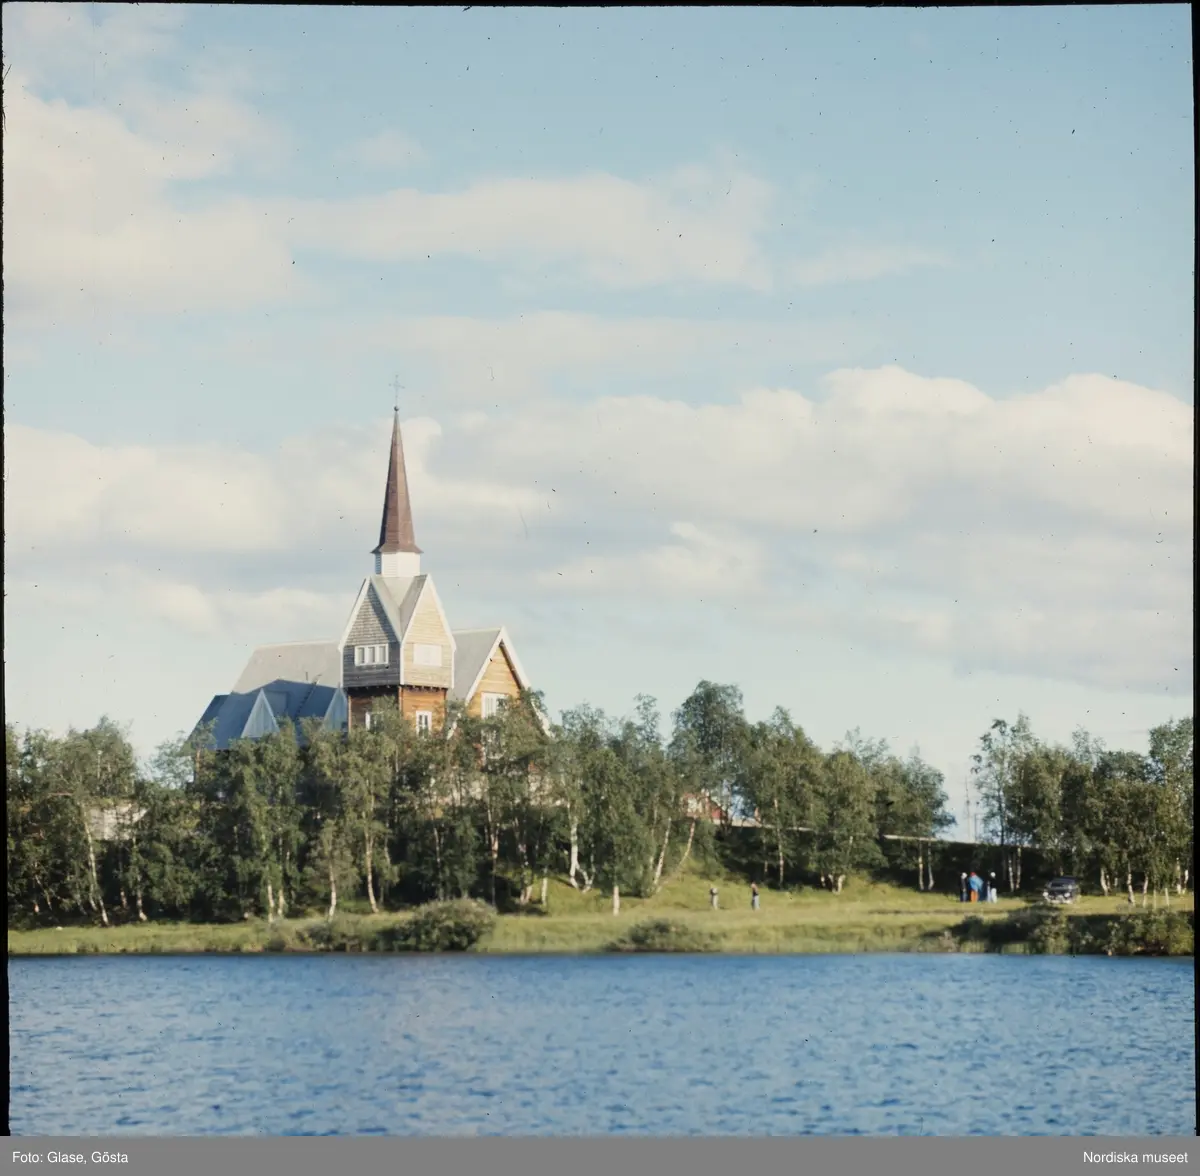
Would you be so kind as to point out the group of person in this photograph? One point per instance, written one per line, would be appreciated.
(714, 899)
(973, 888)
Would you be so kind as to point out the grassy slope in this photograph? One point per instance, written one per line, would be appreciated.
(865, 917)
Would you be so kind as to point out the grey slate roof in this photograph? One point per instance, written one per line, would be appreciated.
(472, 649)
(299, 661)
(399, 596)
(255, 713)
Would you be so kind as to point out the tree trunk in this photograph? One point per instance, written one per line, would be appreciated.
(332, 894)
(1018, 867)
(920, 867)
(662, 857)
(1145, 888)
(369, 851)
(545, 888)
(840, 879)
(1129, 886)
(778, 840)
(270, 903)
(1103, 882)
(1008, 868)
(137, 897)
(573, 861)
(687, 849)
(124, 902)
(437, 857)
(96, 898)
(616, 899)
(494, 847)
(929, 869)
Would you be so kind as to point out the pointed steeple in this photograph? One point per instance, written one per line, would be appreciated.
(397, 553)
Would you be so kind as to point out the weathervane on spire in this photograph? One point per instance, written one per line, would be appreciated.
(397, 387)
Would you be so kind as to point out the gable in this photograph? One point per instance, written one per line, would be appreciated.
(499, 676)
(427, 641)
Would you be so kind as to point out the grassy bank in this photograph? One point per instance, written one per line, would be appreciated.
(865, 917)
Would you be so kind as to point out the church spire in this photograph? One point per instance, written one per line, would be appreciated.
(397, 553)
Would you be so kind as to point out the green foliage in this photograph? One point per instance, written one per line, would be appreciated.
(445, 926)
(1160, 933)
(664, 935)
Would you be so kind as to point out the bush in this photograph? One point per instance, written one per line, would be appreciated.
(663, 935)
(1160, 933)
(1050, 933)
(443, 926)
(341, 933)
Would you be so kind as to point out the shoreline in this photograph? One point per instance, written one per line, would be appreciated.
(799, 928)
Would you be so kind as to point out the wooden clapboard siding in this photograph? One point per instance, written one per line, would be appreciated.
(370, 627)
(423, 698)
(498, 678)
(427, 628)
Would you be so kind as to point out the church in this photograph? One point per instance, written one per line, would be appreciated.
(397, 644)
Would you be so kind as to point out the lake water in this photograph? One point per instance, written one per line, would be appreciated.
(661, 1045)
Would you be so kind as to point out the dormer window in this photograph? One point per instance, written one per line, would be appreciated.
(491, 705)
(370, 655)
(424, 722)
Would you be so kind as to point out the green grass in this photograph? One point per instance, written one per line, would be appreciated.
(867, 916)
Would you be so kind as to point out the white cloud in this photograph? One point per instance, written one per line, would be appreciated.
(91, 225)
(618, 232)
(388, 150)
(1047, 535)
(862, 263)
(699, 564)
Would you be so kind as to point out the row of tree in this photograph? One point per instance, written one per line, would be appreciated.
(494, 807)
(1122, 814)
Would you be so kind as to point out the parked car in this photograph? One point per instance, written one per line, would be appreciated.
(1062, 890)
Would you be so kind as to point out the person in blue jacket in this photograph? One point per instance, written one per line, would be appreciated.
(976, 884)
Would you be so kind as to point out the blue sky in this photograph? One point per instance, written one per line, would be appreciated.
(844, 355)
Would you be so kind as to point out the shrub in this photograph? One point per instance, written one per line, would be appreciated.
(341, 933)
(442, 926)
(662, 935)
(1163, 933)
(1049, 933)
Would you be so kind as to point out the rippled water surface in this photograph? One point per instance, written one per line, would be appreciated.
(875, 1044)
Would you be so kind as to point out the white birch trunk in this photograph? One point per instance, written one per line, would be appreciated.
(1129, 887)
(369, 851)
(1103, 882)
(662, 857)
(920, 867)
(573, 861)
(270, 903)
(96, 898)
(616, 897)
(840, 879)
(929, 870)
(545, 888)
(332, 895)
(1145, 888)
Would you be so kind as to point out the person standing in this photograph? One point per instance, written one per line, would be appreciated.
(975, 882)
(754, 896)
(962, 888)
(992, 896)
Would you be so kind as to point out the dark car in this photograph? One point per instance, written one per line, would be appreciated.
(1062, 890)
